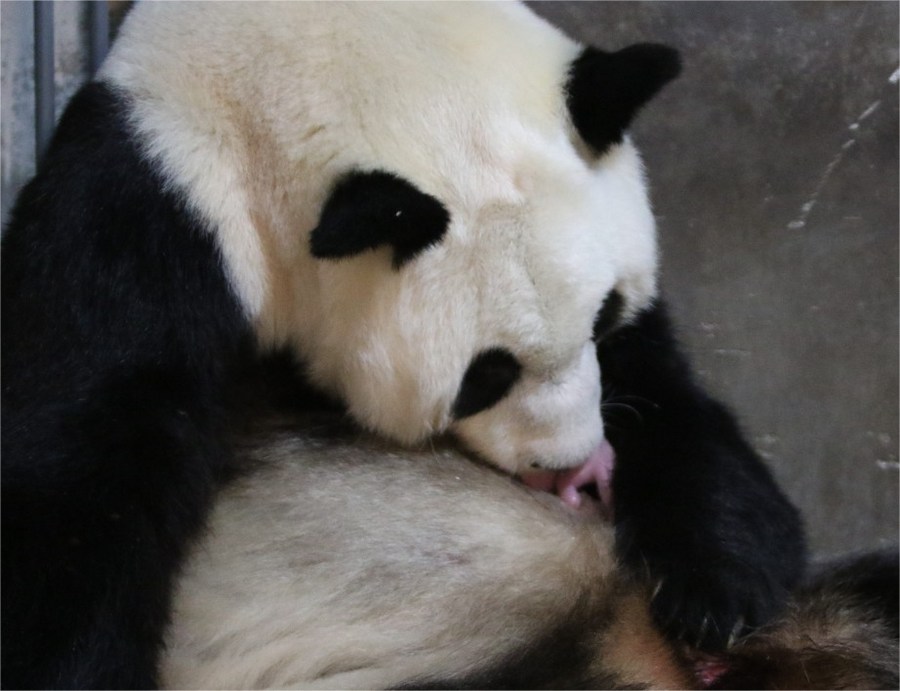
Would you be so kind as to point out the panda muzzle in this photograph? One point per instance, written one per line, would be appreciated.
(570, 484)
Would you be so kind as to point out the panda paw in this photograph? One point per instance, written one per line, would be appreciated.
(706, 596)
(710, 607)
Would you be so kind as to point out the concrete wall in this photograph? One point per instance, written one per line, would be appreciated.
(71, 40)
(17, 72)
(774, 167)
(774, 164)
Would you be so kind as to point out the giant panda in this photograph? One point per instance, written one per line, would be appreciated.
(336, 560)
(437, 212)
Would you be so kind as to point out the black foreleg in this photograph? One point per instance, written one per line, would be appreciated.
(695, 506)
(94, 526)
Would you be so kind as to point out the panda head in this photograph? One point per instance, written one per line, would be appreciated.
(442, 198)
(469, 277)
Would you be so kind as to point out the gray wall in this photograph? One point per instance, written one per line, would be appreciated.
(774, 166)
(774, 169)
(17, 82)
(71, 41)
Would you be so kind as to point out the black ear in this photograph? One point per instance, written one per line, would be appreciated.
(372, 209)
(605, 90)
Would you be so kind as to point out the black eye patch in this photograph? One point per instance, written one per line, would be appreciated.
(374, 209)
(490, 376)
(608, 315)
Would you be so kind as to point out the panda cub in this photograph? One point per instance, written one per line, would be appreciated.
(335, 560)
(437, 210)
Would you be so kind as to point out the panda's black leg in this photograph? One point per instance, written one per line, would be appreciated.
(695, 507)
(122, 339)
(94, 529)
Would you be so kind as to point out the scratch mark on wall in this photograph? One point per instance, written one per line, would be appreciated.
(807, 207)
(735, 352)
(867, 112)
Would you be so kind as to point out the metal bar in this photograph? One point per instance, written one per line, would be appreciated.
(99, 33)
(44, 88)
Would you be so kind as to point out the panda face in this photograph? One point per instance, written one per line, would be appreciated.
(430, 203)
(485, 326)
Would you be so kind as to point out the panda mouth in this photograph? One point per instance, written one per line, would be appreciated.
(592, 478)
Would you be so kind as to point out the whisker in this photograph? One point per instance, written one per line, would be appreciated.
(632, 398)
(616, 405)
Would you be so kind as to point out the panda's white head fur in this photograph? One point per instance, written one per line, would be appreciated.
(400, 190)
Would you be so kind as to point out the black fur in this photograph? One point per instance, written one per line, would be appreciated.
(871, 580)
(694, 505)
(121, 340)
(605, 90)
(609, 315)
(489, 377)
(840, 633)
(370, 210)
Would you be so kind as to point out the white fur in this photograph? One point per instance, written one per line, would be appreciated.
(350, 565)
(341, 562)
(255, 109)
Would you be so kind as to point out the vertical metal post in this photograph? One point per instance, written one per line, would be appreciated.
(44, 88)
(99, 31)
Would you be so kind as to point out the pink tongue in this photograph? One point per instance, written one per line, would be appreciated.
(597, 469)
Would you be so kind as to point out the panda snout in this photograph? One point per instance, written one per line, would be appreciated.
(519, 420)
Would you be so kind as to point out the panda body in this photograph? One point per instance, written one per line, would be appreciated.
(437, 210)
(336, 560)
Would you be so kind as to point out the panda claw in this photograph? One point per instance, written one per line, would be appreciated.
(736, 631)
(704, 627)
